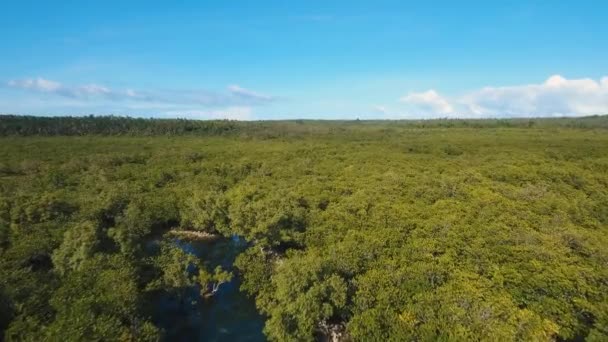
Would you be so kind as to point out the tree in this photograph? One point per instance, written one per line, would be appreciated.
(306, 296)
(177, 267)
(467, 307)
(268, 220)
(79, 244)
(143, 216)
(210, 282)
(206, 211)
(99, 302)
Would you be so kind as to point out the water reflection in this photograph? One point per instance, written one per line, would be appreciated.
(227, 316)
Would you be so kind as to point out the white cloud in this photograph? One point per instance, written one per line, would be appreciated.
(557, 96)
(248, 94)
(229, 113)
(94, 89)
(380, 109)
(429, 101)
(235, 95)
(78, 92)
(38, 84)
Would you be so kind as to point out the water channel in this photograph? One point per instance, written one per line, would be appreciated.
(229, 315)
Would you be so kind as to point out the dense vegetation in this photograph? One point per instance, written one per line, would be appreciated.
(11, 125)
(451, 230)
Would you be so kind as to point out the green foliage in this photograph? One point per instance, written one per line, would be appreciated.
(268, 220)
(206, 211)
(306, 294)
(211, 282)
(406, 230)
(99, 302)
(6, 311)
(142, 217)
(44, 207)
(181, 271)
(465, 308)
(175, 265)
(28, 125)
(257, 271)
(79, 244)
(115, 125)
(4, 235)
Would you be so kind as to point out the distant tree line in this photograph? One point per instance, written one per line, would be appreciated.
(109, 125)
(17, 125)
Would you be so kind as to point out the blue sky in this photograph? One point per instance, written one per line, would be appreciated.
(304, 59)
